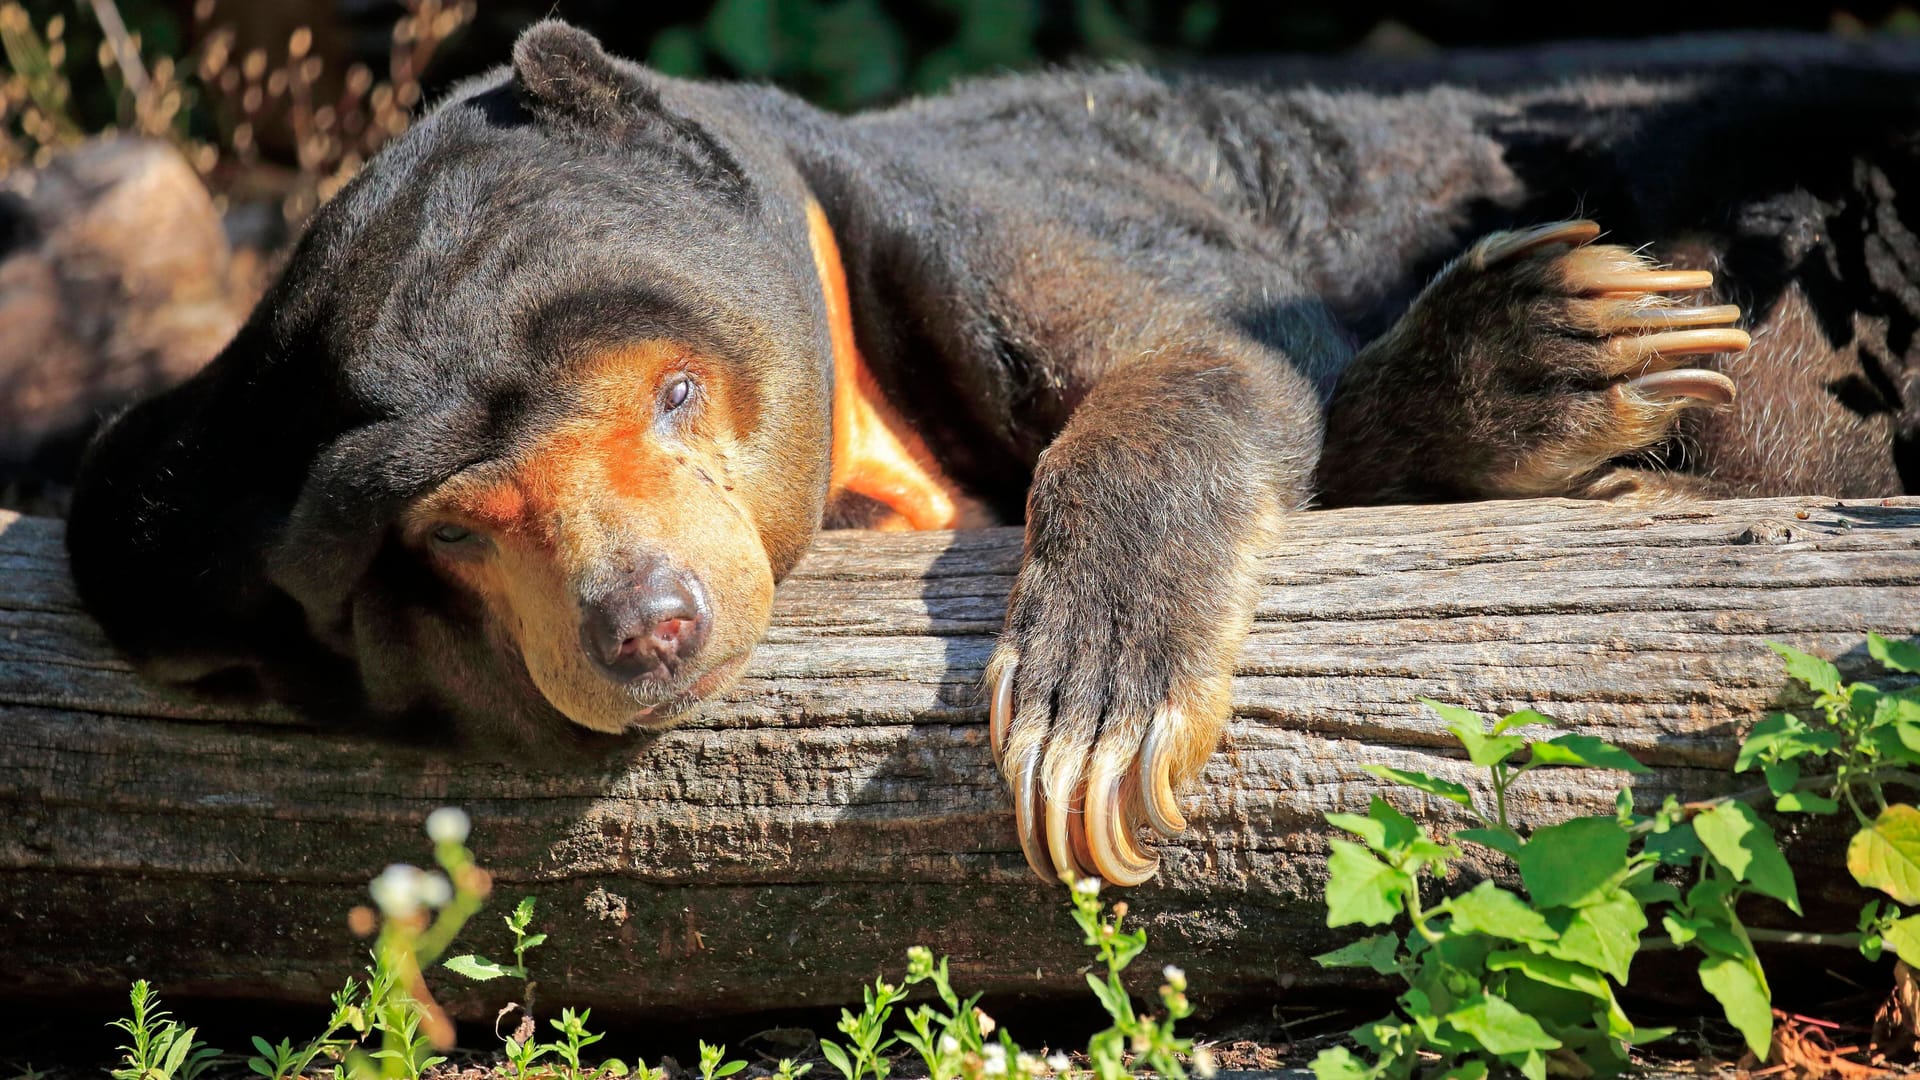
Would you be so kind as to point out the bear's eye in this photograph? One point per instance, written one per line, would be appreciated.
(676, 392)
(452, 534)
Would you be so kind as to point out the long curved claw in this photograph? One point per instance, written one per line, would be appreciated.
(1156, 772)
(1000, 713)
(1624, 315)
(1065, 817)
(1650, 348)
(1109, 839)
(1642, 281)
(1697, 383)
(1029, 802)
(1498, 249)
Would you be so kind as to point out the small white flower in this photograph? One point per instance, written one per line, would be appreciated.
(435, 891)
(1088, 886)
(1026, 1064)
(949, 1045)
(449, 825)
(996, 1060)
(397, 890)
(1176, 978)
(1203, 1064)
(1059, 1063)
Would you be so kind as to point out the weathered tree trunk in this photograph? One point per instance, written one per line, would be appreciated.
(841, 805)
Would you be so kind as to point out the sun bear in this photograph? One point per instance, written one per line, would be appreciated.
(551, 396)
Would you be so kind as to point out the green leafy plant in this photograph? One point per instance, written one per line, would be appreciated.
(405, 1050)
(865, 1052)
(787, 1070)
(522, 1055)
(574, 1037)
(714, 1064)
(481, 969)
(1152, 1039)
(942, 1039)
(1499, 978)
(957, 1039)
(283, 1061)
(160, 1049)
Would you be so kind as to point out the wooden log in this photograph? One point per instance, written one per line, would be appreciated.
(840, 804)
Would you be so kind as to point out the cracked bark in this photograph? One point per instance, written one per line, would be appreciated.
(840, 804)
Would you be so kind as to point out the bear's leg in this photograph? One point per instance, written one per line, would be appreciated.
(1111, 683)
(1531, 366)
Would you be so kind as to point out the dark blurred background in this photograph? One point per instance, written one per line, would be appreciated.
(847, 54)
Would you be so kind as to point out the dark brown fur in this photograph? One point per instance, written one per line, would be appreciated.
(1122, 309)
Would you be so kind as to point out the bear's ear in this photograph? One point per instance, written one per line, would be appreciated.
(565, 76)
(566, 79)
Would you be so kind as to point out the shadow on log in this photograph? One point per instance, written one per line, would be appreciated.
(841, 804)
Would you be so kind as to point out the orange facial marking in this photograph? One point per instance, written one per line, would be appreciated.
(618, 477)
(875, 452)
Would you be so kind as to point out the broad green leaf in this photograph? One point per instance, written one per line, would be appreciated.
(1898, 655)
(1744, 999)
(1744, 844)
(1781, 776)
(1116, 1003)
(1678, 846)
(1819, 675)
(1707, 899)
(837, 1058)
(474, 967)
(1361, 888)
(1385, 829)
(1805, 802)
(1470, 1070)
(1723, 941)
(1585, 751)
(1482, 749)
(1781, 737)
(1568, 976)
(1886, 854)
(1896, 743)
(1420, 781)
(1523, 718)
(1492, 910)
(1500, 840)
(1650, 892)
(1642, 1036)
(1338, 1063)
(1553, 971)
(1903, 936)
(1377, 952)
(1500, 1027)
(1682, 931)
(1605, 935)
(1573, 863)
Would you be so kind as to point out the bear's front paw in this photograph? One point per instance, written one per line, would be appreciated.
(1109, 690)
(1562, 354)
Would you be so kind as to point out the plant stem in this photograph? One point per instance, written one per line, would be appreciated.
(1759, 933)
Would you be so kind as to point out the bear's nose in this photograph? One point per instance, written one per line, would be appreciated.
(644, 631)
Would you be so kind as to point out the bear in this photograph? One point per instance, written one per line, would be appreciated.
(552, 395)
